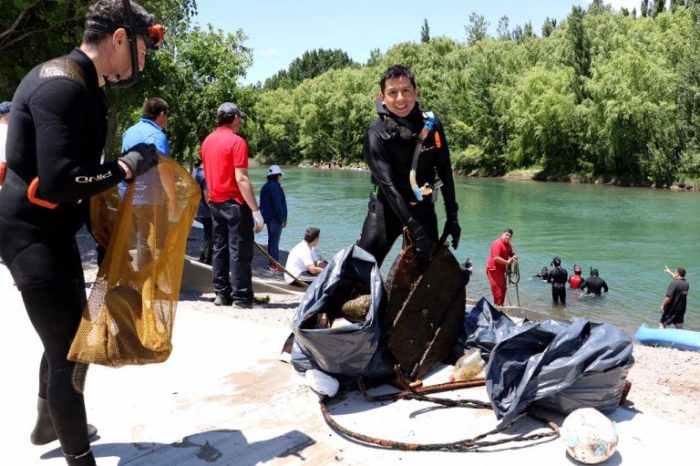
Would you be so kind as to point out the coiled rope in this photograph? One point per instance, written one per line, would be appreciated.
(472, 444)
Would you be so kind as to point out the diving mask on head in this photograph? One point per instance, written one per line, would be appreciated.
(404, 132)
(152, 35)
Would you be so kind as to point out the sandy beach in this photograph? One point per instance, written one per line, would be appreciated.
(665, 381)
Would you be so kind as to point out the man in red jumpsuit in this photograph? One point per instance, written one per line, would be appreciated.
(500, 258)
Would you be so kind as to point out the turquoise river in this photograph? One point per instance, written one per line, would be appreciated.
(628, 234)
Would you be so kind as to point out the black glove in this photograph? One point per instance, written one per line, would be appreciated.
(422, 243)
(140, 158)
(452, 229)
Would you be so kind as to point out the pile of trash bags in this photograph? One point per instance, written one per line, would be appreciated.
(548, 364)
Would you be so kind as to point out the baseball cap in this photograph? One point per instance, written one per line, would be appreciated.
(5, 107)
(274, 170)
(230, 109)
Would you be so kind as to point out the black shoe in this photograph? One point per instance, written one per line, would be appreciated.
(222, 300)
(44, 432)
(243, 304)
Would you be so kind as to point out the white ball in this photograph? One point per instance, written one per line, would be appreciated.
(590, 437)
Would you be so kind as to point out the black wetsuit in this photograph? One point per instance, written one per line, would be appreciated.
(675, 309)
(557, 277)
(57, 132)
(594, 284)
(393, 205)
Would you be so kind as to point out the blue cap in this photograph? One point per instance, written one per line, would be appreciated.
(5, 107)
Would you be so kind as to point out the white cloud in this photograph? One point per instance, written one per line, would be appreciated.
(269, 52)
(629, 4)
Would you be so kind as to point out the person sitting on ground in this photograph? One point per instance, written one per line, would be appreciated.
(576, 279)
(674, 304)
(557, 277)
(302, 262)
(593, 284)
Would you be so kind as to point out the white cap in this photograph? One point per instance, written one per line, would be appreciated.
(274, 170)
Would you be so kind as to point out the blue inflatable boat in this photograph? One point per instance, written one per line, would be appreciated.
(671, 337)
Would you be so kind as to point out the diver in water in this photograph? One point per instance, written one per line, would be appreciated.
(54, 147)
(576, 279)
(406, 151)
(557, 277)
(544, 274)
(593, 284)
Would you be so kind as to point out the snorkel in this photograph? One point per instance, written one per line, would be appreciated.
(153, 37)
(427, 128)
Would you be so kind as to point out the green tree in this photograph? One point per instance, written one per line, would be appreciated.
(659, 6)
(644, 8)
(375, 56)
(425, 32)
(503, 30)
(311, 64)
(476, 29)
(579, 55)
(544, 120)
(550, 24)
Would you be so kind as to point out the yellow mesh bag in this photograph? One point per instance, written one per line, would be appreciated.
(130, 313)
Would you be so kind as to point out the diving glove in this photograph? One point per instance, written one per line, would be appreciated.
(140, 158)
(452, 229)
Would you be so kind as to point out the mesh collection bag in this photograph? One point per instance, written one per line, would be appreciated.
(130, 313)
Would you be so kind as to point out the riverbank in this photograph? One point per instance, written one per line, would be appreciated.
(223, 397)
(665, 381)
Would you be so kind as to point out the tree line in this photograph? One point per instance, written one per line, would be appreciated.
(599, 94)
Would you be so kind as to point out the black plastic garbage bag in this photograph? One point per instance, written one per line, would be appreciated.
(355, 349)
(558, 366)
(484, 326)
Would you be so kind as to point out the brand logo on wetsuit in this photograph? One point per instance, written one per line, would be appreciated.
(92, 179)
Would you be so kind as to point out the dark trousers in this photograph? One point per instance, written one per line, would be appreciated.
(559, 293)
(50, 278)
(233, 240)
(274, 233)
(382, 226)
(206, 255)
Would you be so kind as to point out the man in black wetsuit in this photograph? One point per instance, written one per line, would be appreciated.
(55, 142)
(674, 304)
(557, 277)
(402, 198)
(594, 284)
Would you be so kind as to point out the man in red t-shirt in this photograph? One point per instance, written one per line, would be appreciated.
(501, 256)
(234, 210)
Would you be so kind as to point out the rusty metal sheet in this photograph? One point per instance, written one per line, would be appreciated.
(424, 313)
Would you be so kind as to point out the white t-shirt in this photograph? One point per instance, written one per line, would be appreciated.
(300, 258)
(3, 141)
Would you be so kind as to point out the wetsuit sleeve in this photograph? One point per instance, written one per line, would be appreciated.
(64, 173)
(379, 165)
(605, 286)
(444, 169)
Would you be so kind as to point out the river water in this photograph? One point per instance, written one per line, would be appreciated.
(628, 234)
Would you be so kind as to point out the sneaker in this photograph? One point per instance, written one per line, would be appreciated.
(222, 300)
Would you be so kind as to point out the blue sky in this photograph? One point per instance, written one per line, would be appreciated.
(281, 30)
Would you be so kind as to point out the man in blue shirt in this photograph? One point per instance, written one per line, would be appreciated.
(273, 206)
(149, 189)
